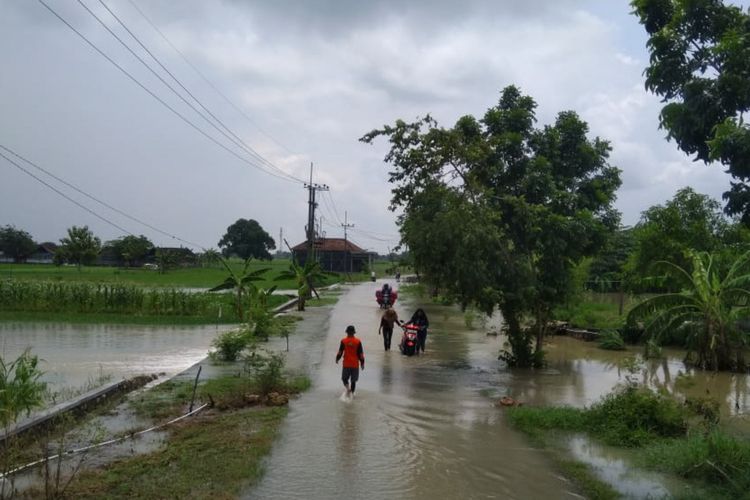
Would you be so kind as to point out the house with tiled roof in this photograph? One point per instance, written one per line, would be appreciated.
(335, 255)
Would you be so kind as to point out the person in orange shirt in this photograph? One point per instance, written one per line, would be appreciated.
(354, 357)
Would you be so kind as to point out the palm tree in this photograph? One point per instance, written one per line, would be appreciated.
(239, 282)
(304, 277)
(707, 311)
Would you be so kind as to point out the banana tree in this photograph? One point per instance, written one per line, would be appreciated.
(304, 277)
(239, 282)
(707, 313)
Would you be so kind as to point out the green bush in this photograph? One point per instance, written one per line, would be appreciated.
(634, 416)
(229, 345)
(611, 341)
(267, 371)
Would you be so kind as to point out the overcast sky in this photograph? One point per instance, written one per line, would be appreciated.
(310, 78)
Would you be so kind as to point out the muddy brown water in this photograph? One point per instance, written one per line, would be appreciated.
(72, 356)
(419, 427)
(426, 427)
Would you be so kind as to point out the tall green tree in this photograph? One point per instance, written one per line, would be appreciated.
(706, 313)
(689, 221)
(239, 282)
(497, 212)
(247, 239)
(16, 243)
(607, 270)
(132, 249)
(699, 65)
(80, 247)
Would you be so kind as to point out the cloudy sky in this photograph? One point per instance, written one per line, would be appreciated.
(307, 80)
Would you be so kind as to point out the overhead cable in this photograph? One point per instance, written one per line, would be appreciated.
(113, 224)
(159, 99)
(224, 130)
(208, 81)
(97, 200)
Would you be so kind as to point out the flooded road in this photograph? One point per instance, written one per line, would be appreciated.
(419, 427)
(73, 355)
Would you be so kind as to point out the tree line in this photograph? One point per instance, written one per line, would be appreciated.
(245, 239)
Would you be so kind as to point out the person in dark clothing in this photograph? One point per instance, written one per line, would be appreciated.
(386, 326)
(386, 294)
(420, 319)
(354, 357)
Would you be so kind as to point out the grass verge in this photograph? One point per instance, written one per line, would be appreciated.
(591, 486)
(672, 438)
(216, 455)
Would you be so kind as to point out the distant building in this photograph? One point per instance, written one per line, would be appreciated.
(44, 254)
(335, 255)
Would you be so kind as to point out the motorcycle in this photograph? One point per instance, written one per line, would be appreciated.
(408, 345)
(386, 299)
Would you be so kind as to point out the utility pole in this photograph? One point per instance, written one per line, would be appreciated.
(348, 263)
(281, 240)
(311, 205)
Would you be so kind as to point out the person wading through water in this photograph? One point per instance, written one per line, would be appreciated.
(354, 357)
(386, 326)
(420, 319)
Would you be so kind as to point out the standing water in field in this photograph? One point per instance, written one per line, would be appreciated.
(73, 355)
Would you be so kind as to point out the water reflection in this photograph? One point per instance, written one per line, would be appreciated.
(579, 373)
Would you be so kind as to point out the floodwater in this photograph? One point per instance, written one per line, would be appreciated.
(418, 428)
(72, 356)
(426, 427)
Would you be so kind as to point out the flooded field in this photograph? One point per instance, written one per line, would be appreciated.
(74, 355)
(420, 427)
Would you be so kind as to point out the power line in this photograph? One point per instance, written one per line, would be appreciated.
(160, 100)
(97, 200)
(370, 237)
(232, 137)
(335, 210)
(208, 81)
(66, 196)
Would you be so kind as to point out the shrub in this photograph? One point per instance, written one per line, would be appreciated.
(611, 341)
(633, 416)
(267, 371)
(229, 345)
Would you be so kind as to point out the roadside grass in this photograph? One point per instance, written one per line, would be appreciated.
(536, 421)
(324, 300)
(215, 455)
(669, 436)
(591, 486)
(189, 277)
(717, 459)
(163, 401)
